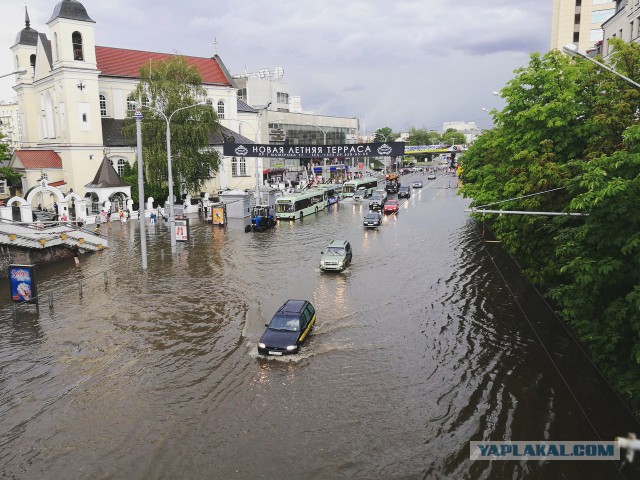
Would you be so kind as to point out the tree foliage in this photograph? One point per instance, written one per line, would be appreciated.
(420, 136)
(169, 87)
(4, 149)
(568, 139)
(385, 134)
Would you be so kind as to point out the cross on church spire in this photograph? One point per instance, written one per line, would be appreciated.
(26, 16)
(215, 46)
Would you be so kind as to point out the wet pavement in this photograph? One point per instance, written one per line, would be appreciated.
(430, 339)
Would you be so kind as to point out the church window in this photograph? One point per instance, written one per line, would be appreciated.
(84, 117)
(32, 63)
(103, 106)
(121, 163)
(76, 40)
(221, 110)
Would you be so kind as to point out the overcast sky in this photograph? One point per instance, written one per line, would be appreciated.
(395, 63)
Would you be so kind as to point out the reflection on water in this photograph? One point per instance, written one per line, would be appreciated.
(419, 348)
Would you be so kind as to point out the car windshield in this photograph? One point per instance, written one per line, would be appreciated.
(377, 196)
(371, 216)
(335, 251)
(284, 322)
(392, 202)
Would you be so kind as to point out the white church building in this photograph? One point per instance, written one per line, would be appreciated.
(75, 96)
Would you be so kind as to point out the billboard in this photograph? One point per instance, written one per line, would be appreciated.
(351, 150)
(22, 283)
(182, 230)
(218, 215)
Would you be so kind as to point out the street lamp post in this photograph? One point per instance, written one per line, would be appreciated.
(141, 217)
(571, 49)
(20, 71)
(172, 217)
(324, 165)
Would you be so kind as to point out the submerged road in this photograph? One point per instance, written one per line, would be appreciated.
(429, 340)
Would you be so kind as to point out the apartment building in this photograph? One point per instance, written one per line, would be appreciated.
(580, 22)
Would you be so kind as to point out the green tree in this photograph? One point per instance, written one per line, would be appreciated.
(569, 132)
(453, 137)
(385, 134)
(168, 86)
(420, 136)
(4, 149)
(12, 178)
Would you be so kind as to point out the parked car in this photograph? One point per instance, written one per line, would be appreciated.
(288, 328)
(404, 192)
(392, 206)
(337, 256)
(372, 220)
(376, 202)
(417, 184)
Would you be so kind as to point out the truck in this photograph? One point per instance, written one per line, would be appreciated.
(262, 218)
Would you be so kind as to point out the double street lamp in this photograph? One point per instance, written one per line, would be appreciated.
(571, 49)
(172, 216)
(324, 142)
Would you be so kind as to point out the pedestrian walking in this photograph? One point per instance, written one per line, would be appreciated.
(76, 252)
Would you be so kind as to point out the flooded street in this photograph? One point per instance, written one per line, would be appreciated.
(427, 341)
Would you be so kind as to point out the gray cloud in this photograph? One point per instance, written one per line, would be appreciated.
(399, 64)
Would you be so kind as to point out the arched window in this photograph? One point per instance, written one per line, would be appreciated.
(32, 63)
(220, 109)
(210, 102)
(103, 106)
(76, 40)
(243, 166)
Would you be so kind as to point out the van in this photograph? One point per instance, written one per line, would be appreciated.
(337, 256)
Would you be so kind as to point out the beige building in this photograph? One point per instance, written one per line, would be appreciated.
(579, 22)
(9, 125)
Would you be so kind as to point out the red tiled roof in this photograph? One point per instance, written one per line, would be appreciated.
(119, 62)
(33, 159)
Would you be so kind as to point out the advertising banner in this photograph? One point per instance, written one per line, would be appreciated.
(182, 230)
(22, 283)
(218, 215)
(350, 150)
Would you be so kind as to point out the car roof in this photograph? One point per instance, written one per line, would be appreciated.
(292, 306)
(338, 243)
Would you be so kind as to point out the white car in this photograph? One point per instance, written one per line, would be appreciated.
(417, 184)
(431, 176)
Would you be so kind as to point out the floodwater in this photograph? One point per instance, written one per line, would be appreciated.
(429, 340)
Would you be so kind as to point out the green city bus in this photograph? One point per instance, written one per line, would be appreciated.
(297, 205)
(352, 186)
